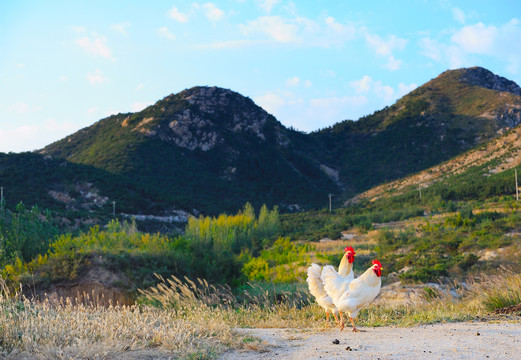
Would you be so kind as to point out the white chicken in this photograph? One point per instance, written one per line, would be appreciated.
(316, 286)
(358, 293)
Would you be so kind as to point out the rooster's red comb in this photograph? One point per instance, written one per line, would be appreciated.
(350, 248)
(376, 262)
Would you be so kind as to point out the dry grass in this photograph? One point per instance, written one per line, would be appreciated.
(195, 320)
(497, 291)
(72, 330)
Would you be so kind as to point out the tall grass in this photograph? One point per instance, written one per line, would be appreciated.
(71, 329)
(498, 291)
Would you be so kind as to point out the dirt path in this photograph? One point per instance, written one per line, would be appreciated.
(476, 340)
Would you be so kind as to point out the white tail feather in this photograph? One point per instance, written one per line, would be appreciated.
(334, 284)
(316, 287)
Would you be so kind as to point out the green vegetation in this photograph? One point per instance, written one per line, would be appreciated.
(211, 248)
(25, 234)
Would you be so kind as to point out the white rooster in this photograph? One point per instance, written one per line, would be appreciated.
(316, 286)
(358, 293)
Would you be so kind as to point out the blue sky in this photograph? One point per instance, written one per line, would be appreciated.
(66, 64)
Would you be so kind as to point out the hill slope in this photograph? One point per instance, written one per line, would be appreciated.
(205, 148)
(211, 150)
(450, 114)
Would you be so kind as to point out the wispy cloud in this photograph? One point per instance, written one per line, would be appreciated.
(295, 81)
(79, 29)
(366, 85)
(32, 137)
(212, 12)
(96, 77)
(500, 42)
(138, 106)
(267, 5)
(458, 15)
(476, 39)
(385, 47)
(96, 45)
(165, 33)
(121, 28)
(230, 44)
(275, 27)
(178, 16)
(22, 108)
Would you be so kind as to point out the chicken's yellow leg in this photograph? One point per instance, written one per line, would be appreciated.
(341, 321)
(353, 323)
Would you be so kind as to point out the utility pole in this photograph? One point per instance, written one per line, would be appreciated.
(517, 188)
(329, 202)
(114, 209)
(420, 188)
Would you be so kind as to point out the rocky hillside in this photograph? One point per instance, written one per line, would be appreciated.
(455, 112)
(499, 155)
(211, 150)
(208, 149)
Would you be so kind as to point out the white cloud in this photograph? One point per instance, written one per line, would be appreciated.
(231, 44)
(79, 29)
(95, 46)
(96, 77)
(366, 85)
(341, 33)
(431, 48)
(469, 42)
(458, 15)
(476, 39)
(63, 78)
(386, 47)
(273, 26)
(362, 86)
(212, 12)
(267, 5)
(333, 103)
(139, 87)
(175, 14)
(63, 128)
(328, 73)
(309, 114)
(270, 101)
(384, 92)
(392, 63)
(404, 89)
(22, 108)
(121, 28)
(293, 81)
(19, 139)
(20, 66)
(296, 81)
(165, 33)
(92, 110)
(32, 137)
(138, 106)
(440, 52)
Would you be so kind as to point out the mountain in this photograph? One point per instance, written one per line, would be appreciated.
(206, 148)
(211, 150)
(448, 115)
(482, 172)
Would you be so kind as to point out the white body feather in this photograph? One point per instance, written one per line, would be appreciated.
(316, 285)
(351, 297)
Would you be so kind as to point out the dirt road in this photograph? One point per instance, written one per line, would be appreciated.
(476, 340)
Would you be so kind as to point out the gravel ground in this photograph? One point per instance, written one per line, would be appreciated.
(470, 340)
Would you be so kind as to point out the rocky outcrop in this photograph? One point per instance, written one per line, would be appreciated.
(212, 113)
(478, 76)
